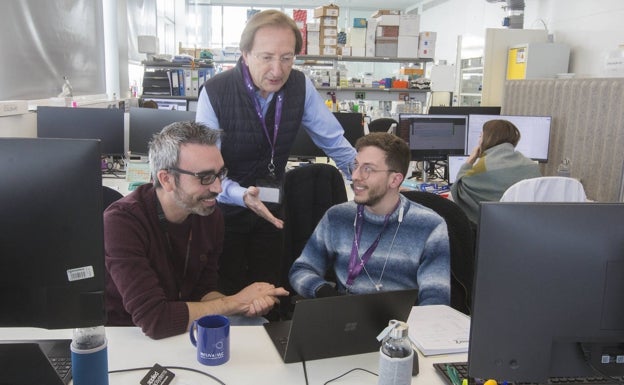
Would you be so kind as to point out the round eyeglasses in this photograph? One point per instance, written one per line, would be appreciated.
(365, 170)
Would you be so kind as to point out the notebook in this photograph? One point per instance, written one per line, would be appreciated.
(338, 326)
(27, 362)
(454, 163)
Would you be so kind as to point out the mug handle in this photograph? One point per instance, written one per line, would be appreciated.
(192, 333)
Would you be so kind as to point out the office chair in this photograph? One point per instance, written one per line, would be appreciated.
(309, 191)
(383, 125)
(109, 196)
(546, 189)
(461, 242)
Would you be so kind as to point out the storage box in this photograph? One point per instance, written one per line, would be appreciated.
(356, 37)
(328, 21)
(314, 27)
(409, 25)
(407, 46)
(327, 10)
(313, 49)
(386, 47)
(300, 15)
(13, 107)
(387, 31)
(388, 20)
(359, 22)
(381, 12)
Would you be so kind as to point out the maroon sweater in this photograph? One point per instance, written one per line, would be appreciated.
(145, 280)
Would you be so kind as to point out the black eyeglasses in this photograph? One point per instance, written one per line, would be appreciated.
(205, 178)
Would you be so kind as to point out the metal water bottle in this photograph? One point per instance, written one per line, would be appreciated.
(396, 356)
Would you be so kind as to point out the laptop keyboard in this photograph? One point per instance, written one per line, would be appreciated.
(462, 370)
(62, 365)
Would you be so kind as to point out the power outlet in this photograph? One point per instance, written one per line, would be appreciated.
(360, 95)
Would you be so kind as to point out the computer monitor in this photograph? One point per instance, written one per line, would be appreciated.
(51, 233)
(433, 137)
(548, 291)
(304, 147)
(106, 124)
(170, 104)
(454, 164)
(534, 133)
(145, 122)
(464, 110)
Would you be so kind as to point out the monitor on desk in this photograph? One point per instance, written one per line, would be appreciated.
(51, 233)
(548, 291)
(145, 122)
(304, 147)
(106, 124)
(464, 110)
(534, 133)
(433, 137)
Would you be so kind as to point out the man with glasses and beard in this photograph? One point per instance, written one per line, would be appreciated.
(162, 241)
(380, 241)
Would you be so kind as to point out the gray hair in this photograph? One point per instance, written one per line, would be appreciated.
(164, 148)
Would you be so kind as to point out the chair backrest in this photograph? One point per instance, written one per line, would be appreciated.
(462, 245)
(546, 189)
(109, 196)
(383, 125)
(309, 191)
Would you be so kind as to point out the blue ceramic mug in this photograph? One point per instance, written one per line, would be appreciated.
(211, 335)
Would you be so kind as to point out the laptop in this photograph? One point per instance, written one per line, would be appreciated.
(27, 362)
(338, 326)
(454, 164)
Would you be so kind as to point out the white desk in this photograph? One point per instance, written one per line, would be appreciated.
(254, 359)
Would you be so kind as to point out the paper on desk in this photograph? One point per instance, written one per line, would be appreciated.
(439, 329)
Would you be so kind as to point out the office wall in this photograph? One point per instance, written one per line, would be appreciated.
(591, 28)
(42, 41)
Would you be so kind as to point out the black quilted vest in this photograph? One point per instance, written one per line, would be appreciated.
(244, 145)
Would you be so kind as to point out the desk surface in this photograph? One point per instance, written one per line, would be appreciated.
(254, 359)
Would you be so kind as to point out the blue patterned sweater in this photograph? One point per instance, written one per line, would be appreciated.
(419, 257)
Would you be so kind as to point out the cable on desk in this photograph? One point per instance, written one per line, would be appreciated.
(352, 370)
(170, 367)
(305, 371)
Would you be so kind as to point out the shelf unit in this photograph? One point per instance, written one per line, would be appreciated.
(174, 80)
(470, 81)
(369, 93)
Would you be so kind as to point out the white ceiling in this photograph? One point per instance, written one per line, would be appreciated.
(354, 4)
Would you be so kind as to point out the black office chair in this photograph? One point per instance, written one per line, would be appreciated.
(309, 191)
(109, 196)
(382, 125)
(462, 245)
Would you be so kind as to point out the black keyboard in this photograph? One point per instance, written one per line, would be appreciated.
(62, 365)
(462, 371)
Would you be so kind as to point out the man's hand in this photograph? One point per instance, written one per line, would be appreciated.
(253, 202)
(258, 298)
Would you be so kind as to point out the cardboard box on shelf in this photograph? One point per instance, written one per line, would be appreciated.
(327, 10)
(380, 12)
(328, 21)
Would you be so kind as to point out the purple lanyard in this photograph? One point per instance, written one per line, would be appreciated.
(278, 113)
(355, 268)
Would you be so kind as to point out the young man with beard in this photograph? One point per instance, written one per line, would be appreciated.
(381, 241)
(162, 241)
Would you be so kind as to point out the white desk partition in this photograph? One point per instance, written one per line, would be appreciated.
(254, 359)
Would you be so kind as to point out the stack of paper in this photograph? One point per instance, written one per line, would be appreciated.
(439, 329)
